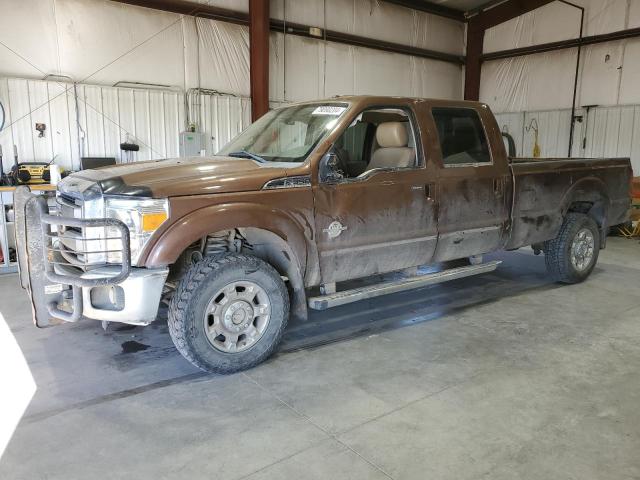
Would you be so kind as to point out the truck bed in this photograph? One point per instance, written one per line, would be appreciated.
(546, 188)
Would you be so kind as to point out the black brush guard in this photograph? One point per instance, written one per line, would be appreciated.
(53, 283)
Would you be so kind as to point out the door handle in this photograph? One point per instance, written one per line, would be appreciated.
(498, 186)
(430, 191)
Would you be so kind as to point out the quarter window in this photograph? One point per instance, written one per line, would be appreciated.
(462, 137)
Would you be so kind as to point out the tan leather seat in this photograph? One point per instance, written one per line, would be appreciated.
(393, 152)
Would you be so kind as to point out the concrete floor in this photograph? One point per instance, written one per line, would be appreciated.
(502, 376)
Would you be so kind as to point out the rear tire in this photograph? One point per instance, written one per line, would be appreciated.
(572, 255)
(228, 313)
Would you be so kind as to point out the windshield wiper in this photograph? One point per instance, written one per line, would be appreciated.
(245, 154)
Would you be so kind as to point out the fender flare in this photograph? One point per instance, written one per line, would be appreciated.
(289, 234)
(166, 249)
(587, 189)
(592, 190)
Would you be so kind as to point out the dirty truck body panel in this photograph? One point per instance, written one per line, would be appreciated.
(546, 189)
(388, 219)
(447, 202)
(474, 200)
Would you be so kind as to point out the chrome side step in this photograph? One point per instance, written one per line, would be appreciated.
(322, 302)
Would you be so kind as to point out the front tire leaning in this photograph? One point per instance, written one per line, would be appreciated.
(228, 313)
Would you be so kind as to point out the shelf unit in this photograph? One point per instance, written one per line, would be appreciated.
(7, 228)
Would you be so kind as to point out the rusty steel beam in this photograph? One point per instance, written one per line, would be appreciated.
(506, 11)
(185, 7)
(432, 8)
(259, 57)
(358, 41)
(477, 26)
(563, 44)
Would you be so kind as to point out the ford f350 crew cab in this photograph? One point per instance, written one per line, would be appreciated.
(310, 196)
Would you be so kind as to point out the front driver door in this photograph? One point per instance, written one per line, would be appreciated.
(380, 220)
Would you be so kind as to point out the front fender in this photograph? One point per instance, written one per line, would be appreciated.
(166, 249)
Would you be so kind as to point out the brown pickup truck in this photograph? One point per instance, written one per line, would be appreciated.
(309, 197)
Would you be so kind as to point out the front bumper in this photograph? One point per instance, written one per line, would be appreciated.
(134, 300)
(60, 292)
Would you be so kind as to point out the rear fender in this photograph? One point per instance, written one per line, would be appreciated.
(590, 190)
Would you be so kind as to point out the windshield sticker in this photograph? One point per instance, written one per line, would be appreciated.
(328, 110)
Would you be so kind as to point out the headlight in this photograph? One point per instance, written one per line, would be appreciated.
(141, 216)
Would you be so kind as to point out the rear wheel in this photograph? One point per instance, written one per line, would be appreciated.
(572, 255)
(228, 313)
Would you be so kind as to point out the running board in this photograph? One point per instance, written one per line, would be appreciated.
(322, 302)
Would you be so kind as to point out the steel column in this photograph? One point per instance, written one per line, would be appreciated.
(476, 28)
(202, 10)
(259, 57)
(473, 66)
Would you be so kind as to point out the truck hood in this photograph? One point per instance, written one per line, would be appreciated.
(180, 177)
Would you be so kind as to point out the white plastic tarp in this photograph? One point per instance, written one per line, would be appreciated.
(375, 19)
(609, 73)
(304, 69)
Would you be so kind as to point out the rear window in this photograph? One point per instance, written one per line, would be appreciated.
(461, 135)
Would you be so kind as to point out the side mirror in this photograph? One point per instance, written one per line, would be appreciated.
(330, 171)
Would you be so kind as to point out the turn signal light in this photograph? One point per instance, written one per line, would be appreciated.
(151, 221)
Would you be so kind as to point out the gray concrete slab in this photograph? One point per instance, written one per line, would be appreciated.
(505, 375)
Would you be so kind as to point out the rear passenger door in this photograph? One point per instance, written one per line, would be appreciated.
(472, 184)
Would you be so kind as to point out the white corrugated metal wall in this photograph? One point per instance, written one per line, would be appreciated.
(103, 117)
(603, 132)
(553, 131)
(222, 117)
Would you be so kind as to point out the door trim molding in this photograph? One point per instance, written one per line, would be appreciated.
(374, 246)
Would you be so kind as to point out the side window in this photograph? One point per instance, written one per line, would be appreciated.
(462, 137)
(379, 138)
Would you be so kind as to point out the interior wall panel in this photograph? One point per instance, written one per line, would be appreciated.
(374, 19)
(222, 118)
(101, 42)
(552, 23)
(609, 72)
(28, 32)
(558, 21)
(603, 132)
(534, 82)
(108, 116)
(304, 69)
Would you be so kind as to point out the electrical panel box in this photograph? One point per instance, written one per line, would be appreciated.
(192, 143)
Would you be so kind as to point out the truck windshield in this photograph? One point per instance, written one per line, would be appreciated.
(287, 134)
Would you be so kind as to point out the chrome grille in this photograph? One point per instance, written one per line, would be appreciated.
(68, 206)
(78, 246)
(65, 265)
